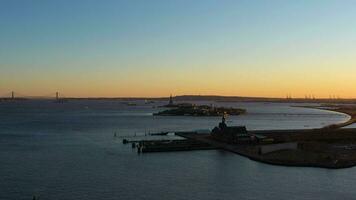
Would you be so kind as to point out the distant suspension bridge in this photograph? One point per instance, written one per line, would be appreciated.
(16, 96)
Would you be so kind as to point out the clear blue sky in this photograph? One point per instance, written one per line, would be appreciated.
(154, 48)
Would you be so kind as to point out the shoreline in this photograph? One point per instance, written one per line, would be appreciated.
(349, 111)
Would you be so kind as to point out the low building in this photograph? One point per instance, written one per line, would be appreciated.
(236, 134)
(231, 134)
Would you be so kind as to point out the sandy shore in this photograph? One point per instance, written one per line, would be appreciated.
(349, 110)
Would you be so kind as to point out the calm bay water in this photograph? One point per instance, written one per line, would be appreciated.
(67, 151)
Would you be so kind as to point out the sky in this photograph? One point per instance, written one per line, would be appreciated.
(139, 48)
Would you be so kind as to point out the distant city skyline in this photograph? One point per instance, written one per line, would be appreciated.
(157, 48)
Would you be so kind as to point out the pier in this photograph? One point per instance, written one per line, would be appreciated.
(164, 145)
(173, 145)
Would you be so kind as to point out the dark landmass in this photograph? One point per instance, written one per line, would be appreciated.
(199, 110)
(226, 99)
(217, 98)
(259, 99)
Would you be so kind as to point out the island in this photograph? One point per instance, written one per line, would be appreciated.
(187, 109)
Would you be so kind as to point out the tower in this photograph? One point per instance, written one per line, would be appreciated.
(170, 100)
(222, 124)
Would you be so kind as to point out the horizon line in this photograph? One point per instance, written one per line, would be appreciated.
(184, 95)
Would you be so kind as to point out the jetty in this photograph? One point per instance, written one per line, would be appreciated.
(167, 145)
(173, 145)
